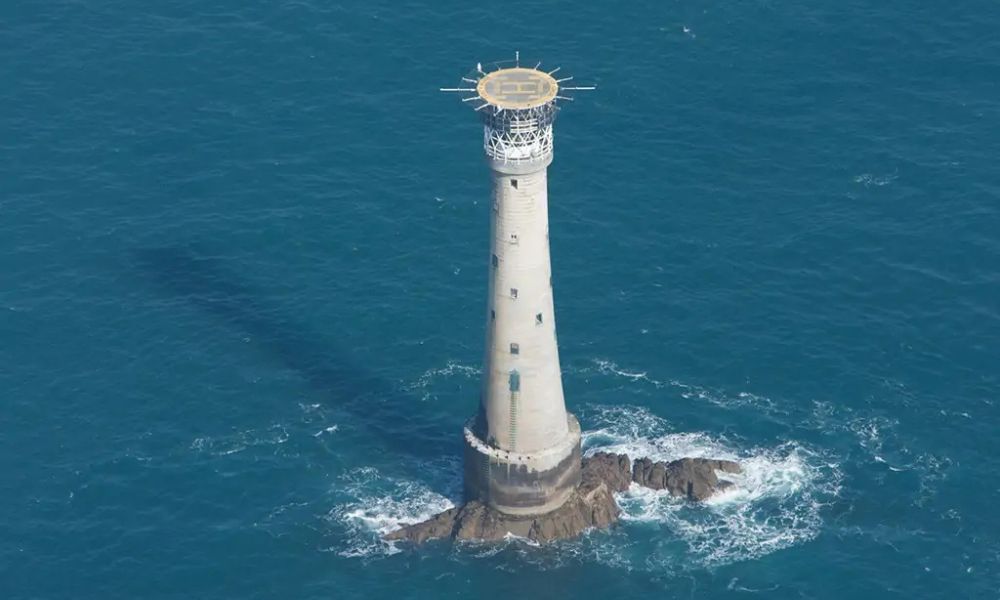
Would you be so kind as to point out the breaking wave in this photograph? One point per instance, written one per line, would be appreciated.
(376, 505)
(776, 503)
(226, 445)
(870, 179)
(688, 391)
(425, 383)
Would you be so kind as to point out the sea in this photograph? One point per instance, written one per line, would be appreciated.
(243, 266)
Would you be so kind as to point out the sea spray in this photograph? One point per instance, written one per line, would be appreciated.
(776, 502)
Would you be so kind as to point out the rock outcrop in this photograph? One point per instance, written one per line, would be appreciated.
(613, 469)
(693, 478)
(591, 505)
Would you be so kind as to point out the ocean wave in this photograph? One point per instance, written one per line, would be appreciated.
(603, 366)
(426, 381)
(237, 442)
(776, 503)
(883, 442)
(870, 432)
(330, 429)
(870, 179)
(377, 505)
(688, 391)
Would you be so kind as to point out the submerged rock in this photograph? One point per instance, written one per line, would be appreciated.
(591, 505)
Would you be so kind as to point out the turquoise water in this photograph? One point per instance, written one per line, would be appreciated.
(243, 261)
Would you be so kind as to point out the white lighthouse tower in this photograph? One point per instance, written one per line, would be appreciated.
(522, 450)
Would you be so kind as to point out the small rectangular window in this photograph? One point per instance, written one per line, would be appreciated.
(538, 319)
(493, 315)
(513, 183)
(495, 260)
(515, 349)
(513, 238)
(515, 381)
(513, 293)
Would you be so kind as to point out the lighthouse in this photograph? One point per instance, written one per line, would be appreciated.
(524, 475)
(522, 447)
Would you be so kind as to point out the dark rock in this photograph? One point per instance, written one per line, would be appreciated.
(613, 469)
(591, 505)
(693, 478)
(439, 526)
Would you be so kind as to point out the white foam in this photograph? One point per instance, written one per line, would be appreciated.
(608, 367)
(237, 442)
(427, 380)
(775, 503)
(379, 505)
(510, 537)
(870, 432)
(883, 441)
(687, 391)
(330, 429)
(870, 179)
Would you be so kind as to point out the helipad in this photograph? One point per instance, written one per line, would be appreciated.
(517, 87)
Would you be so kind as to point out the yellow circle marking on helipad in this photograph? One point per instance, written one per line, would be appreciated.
(517, 88)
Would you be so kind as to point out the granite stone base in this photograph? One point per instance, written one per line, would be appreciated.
(590, 505)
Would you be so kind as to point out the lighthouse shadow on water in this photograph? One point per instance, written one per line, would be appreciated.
(372, 404)
(191, 275)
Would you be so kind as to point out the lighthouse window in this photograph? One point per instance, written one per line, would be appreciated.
(493, 315)
(513, 293)
(513, 183)
(513, 238)
(495, 260)
(515, 381)
(538, 319)
(515, 349)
